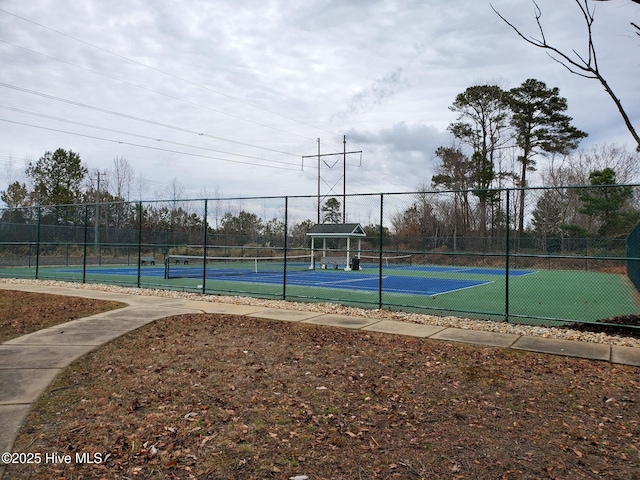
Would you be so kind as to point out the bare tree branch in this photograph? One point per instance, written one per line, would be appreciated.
(576, 64)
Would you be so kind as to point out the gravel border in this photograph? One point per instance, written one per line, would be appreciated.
(449, 321)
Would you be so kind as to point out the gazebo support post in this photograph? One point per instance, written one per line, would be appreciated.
(312, 265)
(347, 268)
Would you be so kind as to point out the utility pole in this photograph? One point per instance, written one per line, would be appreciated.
(344, 179)
(318, 180)
(344, 154)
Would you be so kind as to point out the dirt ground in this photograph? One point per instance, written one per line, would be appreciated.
(227, 397)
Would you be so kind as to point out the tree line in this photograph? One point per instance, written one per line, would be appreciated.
(498, 137)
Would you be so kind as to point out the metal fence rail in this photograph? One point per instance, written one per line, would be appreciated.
(432, 252)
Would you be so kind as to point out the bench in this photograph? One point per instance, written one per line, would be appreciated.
(150, 259)
(333, 261)
(178, 259)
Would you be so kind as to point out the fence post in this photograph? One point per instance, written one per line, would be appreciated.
(286, 247)
(38, 242)
(139, 240)
(204, 253)
(380, 240)
(84, 246)
(507, 256)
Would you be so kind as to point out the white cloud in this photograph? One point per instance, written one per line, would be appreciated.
(278, 75)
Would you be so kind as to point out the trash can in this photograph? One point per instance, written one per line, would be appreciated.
(355, 264)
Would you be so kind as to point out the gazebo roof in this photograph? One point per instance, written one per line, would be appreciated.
(339, 230)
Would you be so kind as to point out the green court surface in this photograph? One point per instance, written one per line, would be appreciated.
(543, 297)
(535, 297)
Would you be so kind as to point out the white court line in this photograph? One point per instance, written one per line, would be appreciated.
(421, 292)
(353, 280)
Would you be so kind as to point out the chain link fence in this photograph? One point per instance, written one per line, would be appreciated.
(537, 256)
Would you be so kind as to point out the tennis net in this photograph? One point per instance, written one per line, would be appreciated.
(198, 266)
(387, 260)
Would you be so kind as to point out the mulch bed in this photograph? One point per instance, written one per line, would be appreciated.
(25, 312)
(624, 325)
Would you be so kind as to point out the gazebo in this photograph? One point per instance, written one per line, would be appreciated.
(338, 231)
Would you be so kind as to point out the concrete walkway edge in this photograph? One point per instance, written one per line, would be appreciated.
(28, 364)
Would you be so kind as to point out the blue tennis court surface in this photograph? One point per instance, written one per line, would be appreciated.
(356, 281)
(467, 270)
(371, 283)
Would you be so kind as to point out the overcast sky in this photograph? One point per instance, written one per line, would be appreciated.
(226, 96)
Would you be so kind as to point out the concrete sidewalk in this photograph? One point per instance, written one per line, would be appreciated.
(28, 364)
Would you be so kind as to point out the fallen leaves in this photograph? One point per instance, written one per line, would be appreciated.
(26, 312)
(246, 402)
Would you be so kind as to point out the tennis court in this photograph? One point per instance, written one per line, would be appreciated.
(539, 296)
(411, 282)
(536, 296)
(409, 259)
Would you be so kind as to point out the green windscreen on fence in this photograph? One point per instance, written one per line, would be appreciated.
(633, 256)
(419, 252)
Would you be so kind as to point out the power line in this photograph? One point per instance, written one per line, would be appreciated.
(165, 73)
(177, 98)
(138, 119)
(19, 110)
(141, 146)
(155, 91)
